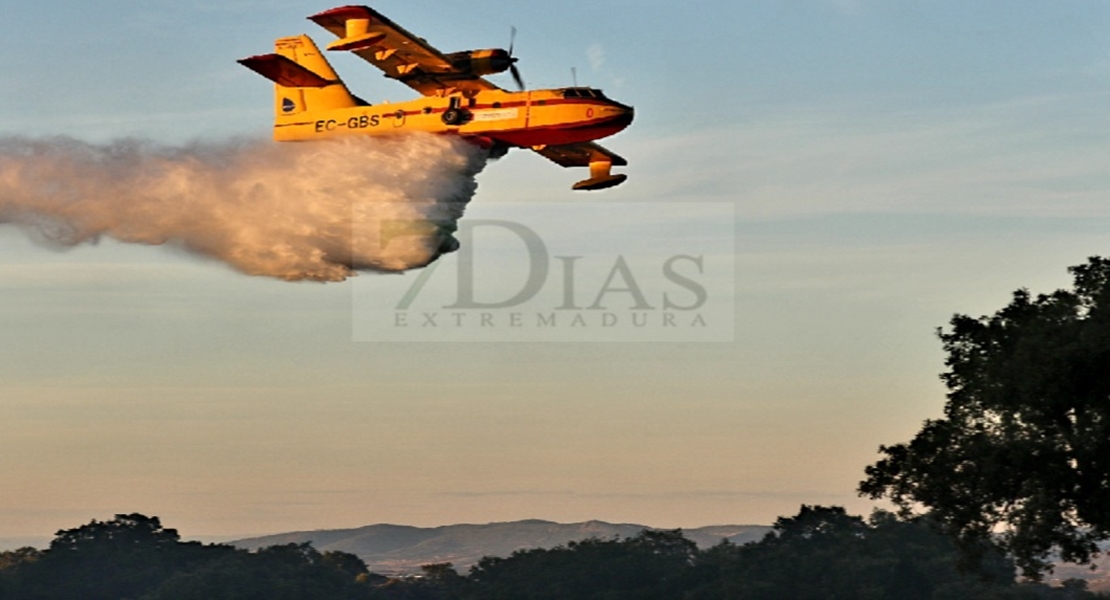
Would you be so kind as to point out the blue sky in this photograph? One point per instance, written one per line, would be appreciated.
(889, 164)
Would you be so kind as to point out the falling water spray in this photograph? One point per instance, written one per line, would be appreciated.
(311, 211)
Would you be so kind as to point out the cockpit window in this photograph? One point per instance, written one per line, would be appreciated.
(582, 93)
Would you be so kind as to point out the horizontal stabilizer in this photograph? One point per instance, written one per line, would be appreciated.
(284, 71)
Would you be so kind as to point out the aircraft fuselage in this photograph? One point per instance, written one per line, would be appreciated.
(524, 119)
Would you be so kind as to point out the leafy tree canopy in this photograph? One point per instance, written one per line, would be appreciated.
(823, 552)
(1023, 449)
(820, 553)
(651, 565)
(133, 557)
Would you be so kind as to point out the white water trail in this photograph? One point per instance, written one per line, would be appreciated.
(297, 211)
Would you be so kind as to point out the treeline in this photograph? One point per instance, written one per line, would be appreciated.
(820, 553)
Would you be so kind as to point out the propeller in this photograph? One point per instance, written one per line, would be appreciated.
(512, 61)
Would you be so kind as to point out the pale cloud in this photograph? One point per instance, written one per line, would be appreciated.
(596, 54)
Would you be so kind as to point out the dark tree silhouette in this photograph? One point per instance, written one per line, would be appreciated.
(286, 572)
(652, 565)
(820, 553)
(133, 557)
(823, 552)
(1023, 449)
(120, 558)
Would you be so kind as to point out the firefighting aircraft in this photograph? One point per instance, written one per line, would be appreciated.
(311, 102)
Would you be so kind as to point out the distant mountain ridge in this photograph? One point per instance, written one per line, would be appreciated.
(401, 549)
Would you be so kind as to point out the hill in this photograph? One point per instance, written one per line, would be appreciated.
(400, 549)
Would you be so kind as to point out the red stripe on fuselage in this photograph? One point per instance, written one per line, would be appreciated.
(556, 135)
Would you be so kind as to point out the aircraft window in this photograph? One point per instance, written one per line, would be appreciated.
(581, 93)
(497, 105)
(427, 110)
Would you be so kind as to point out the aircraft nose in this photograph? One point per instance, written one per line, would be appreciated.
(627, 113)
(625, 110)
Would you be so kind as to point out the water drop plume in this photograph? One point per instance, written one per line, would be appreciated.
(306, 211)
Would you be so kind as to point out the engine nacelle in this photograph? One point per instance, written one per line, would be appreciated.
(482, 62)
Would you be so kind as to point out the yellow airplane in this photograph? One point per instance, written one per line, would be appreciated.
(311, 102)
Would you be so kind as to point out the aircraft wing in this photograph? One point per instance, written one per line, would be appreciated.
(588, 154)
(398, 53)
(581, 155)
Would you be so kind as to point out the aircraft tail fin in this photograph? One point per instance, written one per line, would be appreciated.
(303, 79)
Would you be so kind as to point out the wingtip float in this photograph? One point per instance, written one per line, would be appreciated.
(312, 102)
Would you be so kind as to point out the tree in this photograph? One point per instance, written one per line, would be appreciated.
(11, 560)
(13, 564)
(823, 553)
(1022, 453)
(120, 558)
(282, 572)
(653, 565)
